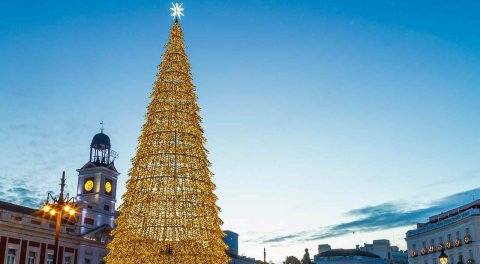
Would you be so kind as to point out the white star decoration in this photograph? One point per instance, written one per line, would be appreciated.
(177, 10)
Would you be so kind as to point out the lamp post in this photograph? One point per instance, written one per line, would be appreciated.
(63, 203)
(443, 258)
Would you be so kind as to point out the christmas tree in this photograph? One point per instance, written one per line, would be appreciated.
(169, 213)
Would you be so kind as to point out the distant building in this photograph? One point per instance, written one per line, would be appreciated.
(379, 252)
(346, 256)
(456, 231)
(231, 239)
(384, 250)
(27, 235)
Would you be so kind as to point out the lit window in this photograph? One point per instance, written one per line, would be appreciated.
(11, 256)
(67, 260)
(50, 259)
(16, 218)
(88, 221)
(31, 257)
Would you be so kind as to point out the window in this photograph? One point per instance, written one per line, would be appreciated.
(449, 237)
(35, 222)
(432, 242)
(424, 244)
(106, 207)
(458, 234)
(88, 221)
(467, 231)
(31, 257)
(50, 259)
(440, 239)
(16, 218)
(414, 246)
(11, 256)
(67, 260)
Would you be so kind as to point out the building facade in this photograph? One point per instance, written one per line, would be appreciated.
(385, 250)
(231, 239)
(346, 256)
(379, 252)
(27, 235)
(456, 232)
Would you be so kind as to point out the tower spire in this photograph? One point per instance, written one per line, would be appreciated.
(169, 214)
(264, 255)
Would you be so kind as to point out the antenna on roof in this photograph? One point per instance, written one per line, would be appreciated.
(101, 127)
(354, 240)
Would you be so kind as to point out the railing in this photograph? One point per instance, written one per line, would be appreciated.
(350, 258)
(442, 223)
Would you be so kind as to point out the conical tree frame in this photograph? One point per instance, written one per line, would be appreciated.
(169, 213)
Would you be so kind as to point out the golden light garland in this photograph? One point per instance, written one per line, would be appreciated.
(169, 214)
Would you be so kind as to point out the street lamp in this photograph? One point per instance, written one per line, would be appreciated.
(443, 258)
(58, 206)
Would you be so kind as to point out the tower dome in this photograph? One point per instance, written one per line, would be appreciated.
(100, 152)
(100, 141)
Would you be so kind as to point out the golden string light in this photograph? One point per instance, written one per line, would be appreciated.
(169, 214)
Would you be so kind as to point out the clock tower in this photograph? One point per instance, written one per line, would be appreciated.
(97, 186)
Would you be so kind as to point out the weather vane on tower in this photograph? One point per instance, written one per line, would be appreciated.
(177, 10)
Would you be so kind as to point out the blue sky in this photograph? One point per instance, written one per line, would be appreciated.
(313, 110)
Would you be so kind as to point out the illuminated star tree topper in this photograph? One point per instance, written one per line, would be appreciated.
(177, 10)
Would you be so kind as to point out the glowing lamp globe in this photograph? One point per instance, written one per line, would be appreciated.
(443, 258)
(67, 208)
(53, 212)
(46, 208)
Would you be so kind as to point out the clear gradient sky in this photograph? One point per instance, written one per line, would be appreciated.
(322, 117)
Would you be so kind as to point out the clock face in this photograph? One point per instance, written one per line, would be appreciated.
(88, 185)
(108, 187)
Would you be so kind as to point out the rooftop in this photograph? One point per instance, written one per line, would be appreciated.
(17, 208)
(346, 252)
(447, 218)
